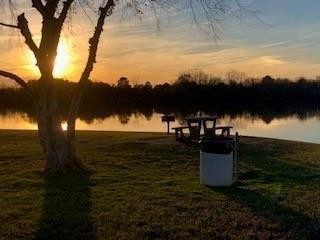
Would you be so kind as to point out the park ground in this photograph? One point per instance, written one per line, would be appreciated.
(146, 186)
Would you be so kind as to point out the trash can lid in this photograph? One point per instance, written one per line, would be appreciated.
(216, 145)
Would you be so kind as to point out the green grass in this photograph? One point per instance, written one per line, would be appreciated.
(145, 186)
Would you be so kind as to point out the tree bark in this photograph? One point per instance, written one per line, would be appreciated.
(60, 154)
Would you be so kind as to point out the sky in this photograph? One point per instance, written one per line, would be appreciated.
(277, 37)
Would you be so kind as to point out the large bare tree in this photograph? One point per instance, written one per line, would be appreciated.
(59, 146)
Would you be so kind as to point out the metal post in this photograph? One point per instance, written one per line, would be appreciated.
(236, 152)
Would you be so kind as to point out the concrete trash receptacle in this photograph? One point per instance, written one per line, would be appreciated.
(217, 162)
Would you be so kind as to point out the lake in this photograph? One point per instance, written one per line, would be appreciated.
(292, 127)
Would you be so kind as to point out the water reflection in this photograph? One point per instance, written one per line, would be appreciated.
(16, 120)
(295, 126)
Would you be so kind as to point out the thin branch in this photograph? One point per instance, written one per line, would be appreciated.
(19, 81)
(8, 25)
(63, 15)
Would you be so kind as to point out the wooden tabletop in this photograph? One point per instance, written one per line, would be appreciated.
(200, 118)
(223, 127)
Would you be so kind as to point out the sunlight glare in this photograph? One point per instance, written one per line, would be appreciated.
(63, 61)
(64, 126)
(62, 66)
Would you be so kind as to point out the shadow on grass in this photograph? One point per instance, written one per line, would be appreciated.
(262, 170)
(67, 207)
(297, 224)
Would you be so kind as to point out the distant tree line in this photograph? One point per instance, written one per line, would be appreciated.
(192, 91)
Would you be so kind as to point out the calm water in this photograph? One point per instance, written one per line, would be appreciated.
(292, 128)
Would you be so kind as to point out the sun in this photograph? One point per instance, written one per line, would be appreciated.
(62, 64)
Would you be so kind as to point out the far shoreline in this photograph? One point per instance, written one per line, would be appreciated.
(243, 137)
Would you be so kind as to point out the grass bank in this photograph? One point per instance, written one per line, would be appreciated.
(145, 186)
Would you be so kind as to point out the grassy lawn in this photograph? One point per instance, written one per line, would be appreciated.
(145, 186)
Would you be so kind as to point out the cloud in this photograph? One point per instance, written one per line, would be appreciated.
(269, 61)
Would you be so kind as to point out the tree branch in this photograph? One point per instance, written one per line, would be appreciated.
(37, 4)
(64, 12)
(93, 42)
(19, 81)
(8, 25)
(51, 7)
(25, 31)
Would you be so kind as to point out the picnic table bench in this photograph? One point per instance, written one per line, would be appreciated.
(194, 133)
(225, 130)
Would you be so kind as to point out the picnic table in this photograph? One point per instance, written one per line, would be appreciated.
(194, 125)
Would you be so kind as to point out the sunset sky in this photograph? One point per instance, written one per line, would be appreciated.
(281, 40)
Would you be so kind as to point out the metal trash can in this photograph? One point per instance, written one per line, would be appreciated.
(217, 161)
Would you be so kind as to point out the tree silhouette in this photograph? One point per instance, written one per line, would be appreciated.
(123, 82)
(58, 146)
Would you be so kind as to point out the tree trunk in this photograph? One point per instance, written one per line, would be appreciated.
(73, 113)
(59, 153)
